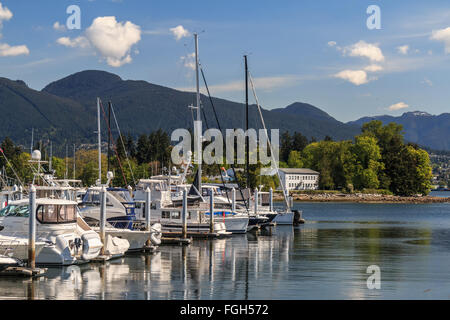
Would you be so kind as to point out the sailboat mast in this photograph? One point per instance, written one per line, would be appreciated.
(109, 135)
(51, 157)
(99, 142)
(247, 160)
(32, 138)
(199, 134)
(74, 163)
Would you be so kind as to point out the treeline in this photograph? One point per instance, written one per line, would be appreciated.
(130, 160)
(376, 159)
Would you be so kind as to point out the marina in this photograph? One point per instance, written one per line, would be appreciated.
(202, 172)
(326, 258)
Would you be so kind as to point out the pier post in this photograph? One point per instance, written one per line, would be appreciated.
(256, 201)
(211, 210)
(184, 214)
(20, 193)
(147, 208)
(103, 218)
(271, 199)
(32, 230)
(148, 213)
(233, 200)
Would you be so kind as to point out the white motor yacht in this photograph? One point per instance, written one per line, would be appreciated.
(58, 222)
(168, 213)
(120, 217)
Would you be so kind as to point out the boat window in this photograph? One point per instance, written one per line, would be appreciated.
(92, 197)
(122, 196)
(176, 215)
(4, 212)
(16, 211)
(56, 213)
(165, 215)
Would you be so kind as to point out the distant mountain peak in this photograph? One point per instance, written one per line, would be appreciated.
(417, 114)
(302, 108)
(81, 82)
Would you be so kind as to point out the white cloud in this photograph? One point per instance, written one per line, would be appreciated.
(444, 36)
(373, 68)
(428, 82)
(331, 43)
(10, 51)
(357, 77)
(81, 42)
(398, 106)
(189, 61)
(7, 50)
(261, 84)
(111, 39)
(5, 14)
(403, 49)
(59, 27)
(179, 32)
(364, 49)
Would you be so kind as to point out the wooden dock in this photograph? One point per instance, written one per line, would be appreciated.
(175, 241)
(23, 272)
(105, 258)
(197, 235)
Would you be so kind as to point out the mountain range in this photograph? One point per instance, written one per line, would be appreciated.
(65, 112)
(419, 127)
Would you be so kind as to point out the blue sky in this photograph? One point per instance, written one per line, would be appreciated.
(319, 52)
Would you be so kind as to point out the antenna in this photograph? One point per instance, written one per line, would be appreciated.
(51, 156)
(32, 138)
(74, 163)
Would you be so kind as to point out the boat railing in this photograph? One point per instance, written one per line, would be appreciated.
(120, 224)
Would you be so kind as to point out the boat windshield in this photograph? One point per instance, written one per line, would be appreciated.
(4, 212)
(121, 195)
(92, 197)
(18, 211)
(56, 213)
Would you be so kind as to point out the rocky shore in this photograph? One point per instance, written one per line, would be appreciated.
(361, 197)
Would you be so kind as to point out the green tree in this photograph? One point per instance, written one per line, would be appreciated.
(294, 160)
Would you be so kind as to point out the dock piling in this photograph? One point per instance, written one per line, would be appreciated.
(32, 230)
(256, 201)
(103, 218)
(271, 199)
(184, 214)
(211, 210)
(233, 200)
(148, 213)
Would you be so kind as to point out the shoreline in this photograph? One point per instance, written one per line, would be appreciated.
(362, 198)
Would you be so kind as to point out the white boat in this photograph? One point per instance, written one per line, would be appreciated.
(120, 217)
(168, 213)
(57, 222)
(17, 247)
(6, 262)
(137, 239)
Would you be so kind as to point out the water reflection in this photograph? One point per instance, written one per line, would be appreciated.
(326, 258)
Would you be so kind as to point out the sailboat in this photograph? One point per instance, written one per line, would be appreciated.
(287, 216)
(120, 209)
(167, 211)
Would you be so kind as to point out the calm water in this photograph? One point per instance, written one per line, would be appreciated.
(326, 258)
(443, 194)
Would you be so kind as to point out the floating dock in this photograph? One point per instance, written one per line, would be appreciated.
(23, 272)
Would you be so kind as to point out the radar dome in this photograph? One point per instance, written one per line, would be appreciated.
(36, 155)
